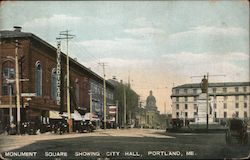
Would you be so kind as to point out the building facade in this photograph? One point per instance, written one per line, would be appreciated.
(226, 100)
(148, 116)
(125, 95)
(37, 64)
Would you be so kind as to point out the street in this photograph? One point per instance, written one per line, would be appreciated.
(121, 144)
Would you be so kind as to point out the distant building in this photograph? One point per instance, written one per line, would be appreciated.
(123, 91)
(226, 100)
(152, 115)
(37, 62)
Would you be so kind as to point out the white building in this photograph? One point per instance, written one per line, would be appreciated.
(226, 100)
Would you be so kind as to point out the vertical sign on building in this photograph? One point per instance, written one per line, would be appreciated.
(58, 73)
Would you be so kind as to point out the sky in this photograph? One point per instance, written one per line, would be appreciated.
(153, 44)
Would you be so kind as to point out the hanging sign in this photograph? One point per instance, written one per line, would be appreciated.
(58, 73)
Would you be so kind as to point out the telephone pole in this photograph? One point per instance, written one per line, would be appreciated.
(17, 88)
(104, 94)
(67, 37)
(125, 106)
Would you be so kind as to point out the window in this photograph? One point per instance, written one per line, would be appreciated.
(5, 90)
(237, 114)
(53, 84)
(225, 98)
(177, 91)
(111, 96)
(225, 106)
(236, 105)
(186, 99)
(215, 105)
(215, 114)
(195, 106)
(177, 115)
(245, 114)
(186, 106)
(177, 99)
(245, 89)
(177, 106)
(186, 114)
(195, 98)
(8, 73)
(214, 90)
(236, 98)
(185, 90)
(245, 97)
(245, 105)
(195, 114)
(236, 89)
(77, 91)
(38, 79)
(194, 91)
(225, 90)
(225, 114)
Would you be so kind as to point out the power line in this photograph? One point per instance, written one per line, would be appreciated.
(81, 47)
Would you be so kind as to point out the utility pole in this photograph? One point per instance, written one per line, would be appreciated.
(125, 106)
(117, 112)
(68, 36)
(17, 88)
(104, 94)
(207, 119)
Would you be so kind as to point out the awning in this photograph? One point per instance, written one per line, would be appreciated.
(91, 116)
(76, 115)
(54, 115)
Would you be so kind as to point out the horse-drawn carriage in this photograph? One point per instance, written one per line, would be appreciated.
(237, 129)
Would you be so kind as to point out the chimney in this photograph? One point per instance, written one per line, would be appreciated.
(17, 28)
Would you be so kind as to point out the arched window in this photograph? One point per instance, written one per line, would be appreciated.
(77, 91)
(38, 78)
(53, 83)
(8, 72)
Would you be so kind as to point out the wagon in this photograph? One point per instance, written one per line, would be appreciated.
(237, 129)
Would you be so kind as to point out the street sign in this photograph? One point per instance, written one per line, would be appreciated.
(13, 80)
(112, 110)
(28, 94)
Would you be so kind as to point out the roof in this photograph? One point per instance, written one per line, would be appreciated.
(225, 84)
(14, 34)
(7, 34)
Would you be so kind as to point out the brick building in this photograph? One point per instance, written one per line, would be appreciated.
(37, 62)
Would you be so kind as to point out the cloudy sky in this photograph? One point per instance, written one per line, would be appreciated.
(157, 44)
